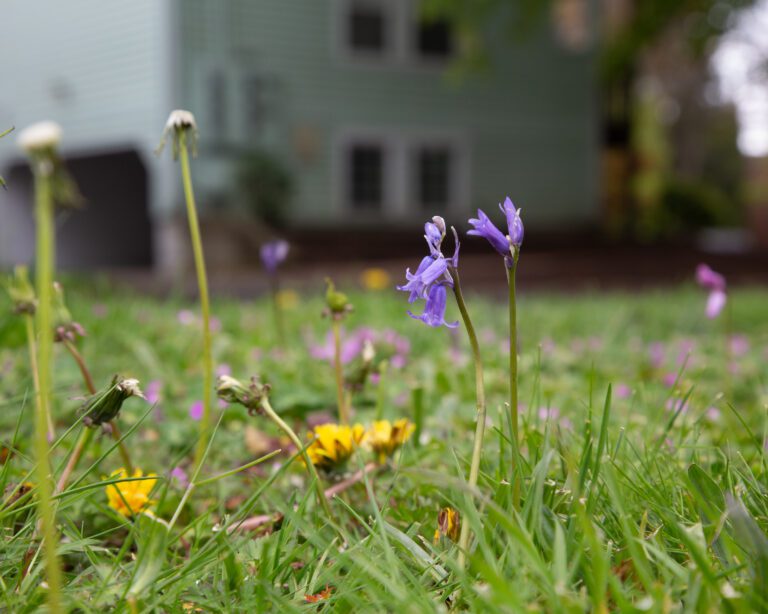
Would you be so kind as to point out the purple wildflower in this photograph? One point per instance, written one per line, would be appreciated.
(432, 276)
(715, 283)
(178, 474)
(152, 391)
(272, 254)
(434, 310)
(196, 410)
(507, 245)
(739, 345)
(185, 317)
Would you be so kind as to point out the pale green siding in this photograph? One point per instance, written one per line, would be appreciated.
(529, 127)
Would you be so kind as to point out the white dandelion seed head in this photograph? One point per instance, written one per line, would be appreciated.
(42, 135)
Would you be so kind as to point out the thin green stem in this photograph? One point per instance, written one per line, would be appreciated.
(202, 284)
(267, 407)
(45, 249)
(474, 468)
(82, 444)
(32, 346)
(338, 371)
(513, 403)
(276, 309)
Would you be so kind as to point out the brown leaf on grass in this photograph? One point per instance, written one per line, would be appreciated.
(322, 595)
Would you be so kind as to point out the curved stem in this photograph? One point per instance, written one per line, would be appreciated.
(45, 255)
(267, 408)
(339, 373)
(474, 468)
(82, 443)
(202, 284)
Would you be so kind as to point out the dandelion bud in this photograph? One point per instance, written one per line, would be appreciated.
(369, 352)
(337, 302)
(232, 390)
(40, 137)
(106, 404)
(64, 327)
(180, 124)
(21, 292)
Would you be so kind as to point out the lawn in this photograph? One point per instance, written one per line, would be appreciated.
(641, 486)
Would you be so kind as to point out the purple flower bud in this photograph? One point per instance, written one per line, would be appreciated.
(514, 223)
(434, 310)
(272, 254)
(434, 237)
(484, 227)
(709, 279)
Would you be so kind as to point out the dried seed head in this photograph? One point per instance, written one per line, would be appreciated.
(40, 137)
(182, 128)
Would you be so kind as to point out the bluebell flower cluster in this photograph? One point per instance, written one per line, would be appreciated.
(432, 277)
(507, 245)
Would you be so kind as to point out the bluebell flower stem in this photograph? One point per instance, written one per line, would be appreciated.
(513, 404)
(276, 309)
(202, 284)
(45, 258)
(338, 371)
(474, 468)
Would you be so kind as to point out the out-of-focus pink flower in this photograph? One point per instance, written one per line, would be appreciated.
(186, 317)
(152, 391)
(676, 404)
(178, 474)
(715, 303)
(656, 354)
(669, 379)
(375, 378)
(709, 279)
(215, 325)
(552, 414)
(739, 345)
(623, 391)
(196, 410)
(713, 414)
(223, 369)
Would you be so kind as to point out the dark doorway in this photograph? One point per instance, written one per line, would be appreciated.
(113, 229)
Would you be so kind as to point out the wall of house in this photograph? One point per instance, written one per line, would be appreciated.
(103, 71)
(527, 128)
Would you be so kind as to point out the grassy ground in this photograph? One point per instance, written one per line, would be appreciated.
(652, 498)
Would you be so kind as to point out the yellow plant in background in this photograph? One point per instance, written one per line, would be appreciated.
(448, 524)
(130, 498)
(384, 437)
(375, 279)
(333, 444)
(287, 299)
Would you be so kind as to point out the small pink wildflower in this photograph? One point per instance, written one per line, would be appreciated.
(196, 410)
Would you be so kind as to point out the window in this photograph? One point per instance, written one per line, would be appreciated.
(434, 38)
(433, 176)
(367, 28)
(366, 176)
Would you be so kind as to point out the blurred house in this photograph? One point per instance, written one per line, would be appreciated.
(354, 97)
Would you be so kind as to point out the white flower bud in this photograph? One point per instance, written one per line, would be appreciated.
(130, 387)
(39, 136)
(179, 118)
(369, 352)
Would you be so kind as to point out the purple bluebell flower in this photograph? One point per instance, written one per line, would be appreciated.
(484, 227)
(272, 254)
(514, 223)
(507, 245)
(709, 279)
(715, 303)
(432, 275)
(434, 310)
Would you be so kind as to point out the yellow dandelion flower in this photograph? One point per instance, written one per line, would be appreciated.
(375, 279)
(448, 524)
(130, 498)
(384, 437)
(333, 444)
(288, 299)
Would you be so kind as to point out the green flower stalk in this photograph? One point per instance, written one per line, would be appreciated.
(337, 307)
(40, 142)
(434, 274)
(255, 398)
(182, 129)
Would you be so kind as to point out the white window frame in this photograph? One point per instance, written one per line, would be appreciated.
(400, 175)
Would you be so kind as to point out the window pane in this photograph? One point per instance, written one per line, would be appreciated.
(367, 29)
(433, 179)
(434, 38)
(366, 165)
